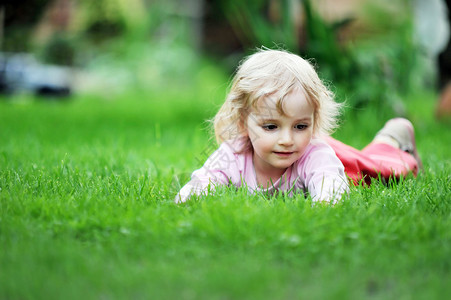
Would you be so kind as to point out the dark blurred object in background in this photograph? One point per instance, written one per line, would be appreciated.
(433, 30)
(444, 65)
(23, 73)
(444, 57)
(18, 20)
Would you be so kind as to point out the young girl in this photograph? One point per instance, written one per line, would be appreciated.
(273, 131)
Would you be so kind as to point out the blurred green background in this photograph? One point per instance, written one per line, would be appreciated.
(368, 51)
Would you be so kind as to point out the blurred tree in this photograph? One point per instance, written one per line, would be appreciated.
(219, 37)
(54, 34)
(103, 19)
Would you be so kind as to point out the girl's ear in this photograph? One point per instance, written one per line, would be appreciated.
(317, 132)
(242, 124)
(242, 128)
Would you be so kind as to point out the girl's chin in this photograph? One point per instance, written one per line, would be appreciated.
(282, 165)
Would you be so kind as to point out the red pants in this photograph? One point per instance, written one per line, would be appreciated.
(374, 161)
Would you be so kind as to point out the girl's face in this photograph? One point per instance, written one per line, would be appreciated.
(279, 140)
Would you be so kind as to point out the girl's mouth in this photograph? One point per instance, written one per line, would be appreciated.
(283, 154)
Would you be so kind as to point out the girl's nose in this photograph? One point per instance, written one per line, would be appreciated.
(286, 138)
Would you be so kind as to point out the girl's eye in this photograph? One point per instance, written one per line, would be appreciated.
(269, 127)
(301, 126)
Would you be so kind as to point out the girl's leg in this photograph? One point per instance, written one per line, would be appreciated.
(381, 158)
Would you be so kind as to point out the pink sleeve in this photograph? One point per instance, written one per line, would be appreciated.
(323, 173)
(218, 170)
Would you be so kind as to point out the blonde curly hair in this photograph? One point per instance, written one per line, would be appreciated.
(273, 73)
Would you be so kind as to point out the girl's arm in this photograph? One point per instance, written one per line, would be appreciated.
(323, 173)
(219, 169)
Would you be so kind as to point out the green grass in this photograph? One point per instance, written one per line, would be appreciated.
(87, 212)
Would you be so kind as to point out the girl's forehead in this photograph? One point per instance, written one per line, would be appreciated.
(267, 105)
(295, 99)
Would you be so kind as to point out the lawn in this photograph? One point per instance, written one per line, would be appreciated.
(87, 212)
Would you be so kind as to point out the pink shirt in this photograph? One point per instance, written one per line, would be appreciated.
(318, 172)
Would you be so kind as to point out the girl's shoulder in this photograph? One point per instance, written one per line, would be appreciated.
(230, 154)
(235, 146)
(317, 152)
(318, 144)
